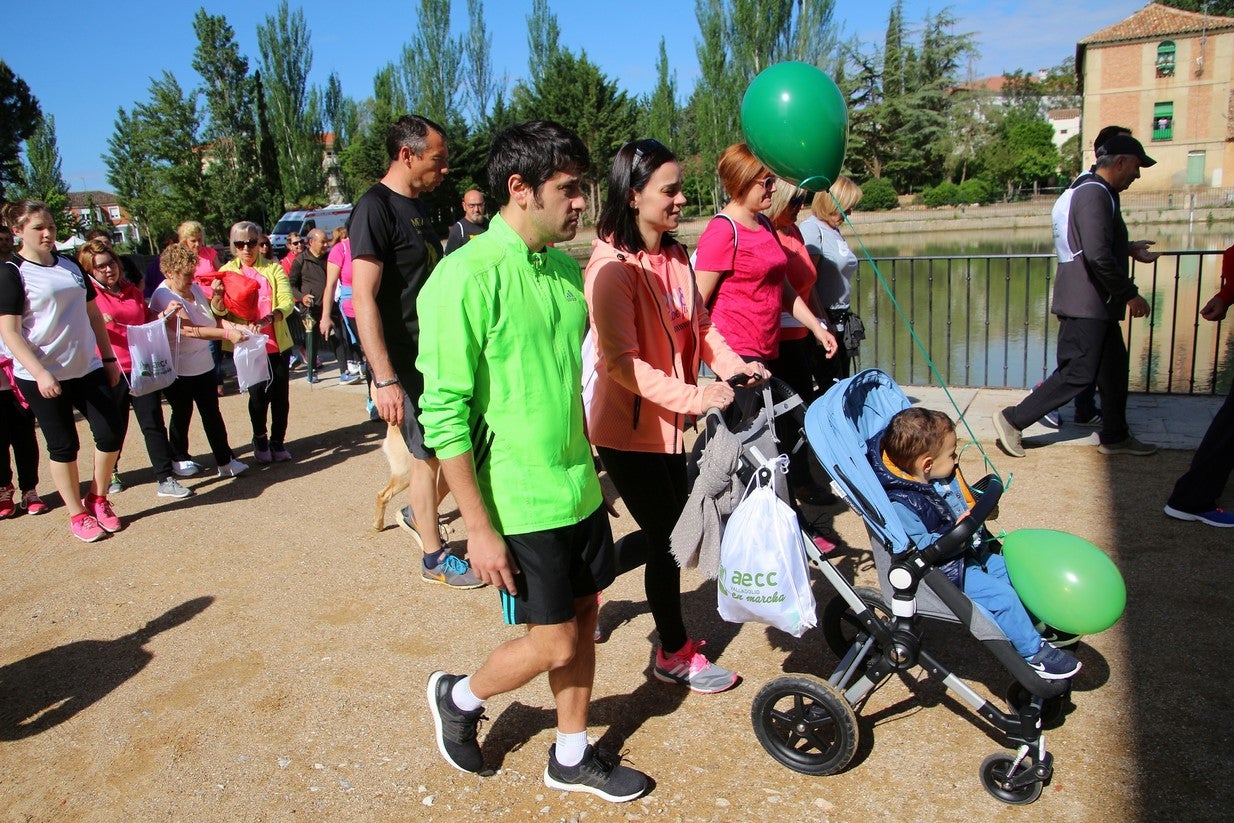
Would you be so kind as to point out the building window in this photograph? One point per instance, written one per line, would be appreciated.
(1165, 58)
(1163, 121)
(113, 212)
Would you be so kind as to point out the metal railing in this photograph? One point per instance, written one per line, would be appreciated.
(985, 321)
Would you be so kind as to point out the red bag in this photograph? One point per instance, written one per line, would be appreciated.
(239, 293)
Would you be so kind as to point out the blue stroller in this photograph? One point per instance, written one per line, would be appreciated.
(809, 724)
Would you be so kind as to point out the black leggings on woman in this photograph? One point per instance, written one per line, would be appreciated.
(91, 396)
(149, 411)
(653, 487)
(182, 395)
(275, 396)
(17, 432)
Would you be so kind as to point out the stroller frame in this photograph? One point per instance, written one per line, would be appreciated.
(809, 724)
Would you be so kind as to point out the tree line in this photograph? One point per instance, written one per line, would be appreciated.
(247, 139)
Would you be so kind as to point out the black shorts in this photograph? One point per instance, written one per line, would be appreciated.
(413, 432)
(556, 567)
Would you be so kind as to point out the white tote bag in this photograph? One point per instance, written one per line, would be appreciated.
(150, 351)
(252, 363)
(763, 574)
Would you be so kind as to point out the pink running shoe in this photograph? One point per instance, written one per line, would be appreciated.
(100, 509)
(688, 667)
(32, 503)
(7, 506)
(85, 528)
(823, 544)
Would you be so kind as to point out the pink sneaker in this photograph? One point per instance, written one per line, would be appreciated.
(6, 501)
(100, 509)
(85, 528)
(688, 667)
(32, 503)
(823, 544)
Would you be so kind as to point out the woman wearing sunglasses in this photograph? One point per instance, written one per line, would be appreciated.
(268, 402)
(743, 271)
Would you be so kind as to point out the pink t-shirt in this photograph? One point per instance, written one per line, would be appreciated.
(207, 260)
(801, 274)
(128, 308)
(340, 256)
(746, 304)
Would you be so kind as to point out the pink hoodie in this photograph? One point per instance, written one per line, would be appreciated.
(651, 330)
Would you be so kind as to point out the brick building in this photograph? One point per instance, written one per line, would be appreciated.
(93, 208)
(1167, 75)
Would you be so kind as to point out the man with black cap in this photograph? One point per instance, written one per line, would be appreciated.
(1092, 293)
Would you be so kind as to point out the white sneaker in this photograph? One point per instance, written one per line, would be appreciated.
(233, 469)
(185, 468)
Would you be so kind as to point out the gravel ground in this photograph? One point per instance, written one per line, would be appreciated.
(257, 652)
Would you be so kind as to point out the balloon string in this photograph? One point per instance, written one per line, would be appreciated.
(917, 341)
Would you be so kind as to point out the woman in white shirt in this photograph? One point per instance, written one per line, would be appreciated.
(836, 265)
(56, 334)
(194, 364)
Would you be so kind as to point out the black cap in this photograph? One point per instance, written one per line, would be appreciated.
(1125, 144)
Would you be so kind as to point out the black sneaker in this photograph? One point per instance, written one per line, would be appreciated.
(455, 729)
(1054, 664)
(598, 773)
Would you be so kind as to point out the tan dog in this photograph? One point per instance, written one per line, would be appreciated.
(395, 450)
(399, 459)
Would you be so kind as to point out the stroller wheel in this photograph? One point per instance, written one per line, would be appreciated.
(805, 724)
(1052, 710)
(1002, 786)
(841, 626)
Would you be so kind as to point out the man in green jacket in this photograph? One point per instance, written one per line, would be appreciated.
(501, 328)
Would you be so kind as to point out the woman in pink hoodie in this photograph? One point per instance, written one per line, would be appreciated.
(651, 331)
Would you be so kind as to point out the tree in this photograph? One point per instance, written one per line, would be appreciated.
(431, 65)
(154, 160)
(271, 192)
(286, 50)
(42, 177)
(575, 93)
(1022, 152)
(20, 115)
(661, 114)
(364, 158)
(232, 174)
(482, 87)
(542, 36)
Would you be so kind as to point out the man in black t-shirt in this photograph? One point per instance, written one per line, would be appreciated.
(394, 248)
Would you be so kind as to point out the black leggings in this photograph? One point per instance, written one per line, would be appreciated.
(17, 432)
(274, 396)
(653, 487)
(149, 411)
(89, 395)
(182, 395)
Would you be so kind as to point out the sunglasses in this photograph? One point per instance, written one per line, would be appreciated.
(798, 201)
(244, 244)
(769, 182)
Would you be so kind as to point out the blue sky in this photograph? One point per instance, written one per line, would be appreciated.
(85, 60)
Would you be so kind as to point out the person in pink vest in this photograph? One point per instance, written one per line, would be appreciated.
(651, 331)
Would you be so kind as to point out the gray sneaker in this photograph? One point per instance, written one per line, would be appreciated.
(407, 520)
(688, 667)
(451, 571)
(599, 773)
(172, 488)
(1008, 435)
(185, 468)
(1129, 446)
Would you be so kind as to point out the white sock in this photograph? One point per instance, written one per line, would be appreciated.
(570, 747)
(463, 697)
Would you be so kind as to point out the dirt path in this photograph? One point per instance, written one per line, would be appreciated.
(257, 652)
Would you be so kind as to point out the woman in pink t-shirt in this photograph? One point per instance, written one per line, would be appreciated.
(741, 267)
(193, 237)
(337, 296)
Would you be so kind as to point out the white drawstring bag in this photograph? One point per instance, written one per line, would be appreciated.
(763, 574)
(252, 363)
(150, 350)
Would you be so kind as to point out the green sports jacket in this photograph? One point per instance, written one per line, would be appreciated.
(501, 330)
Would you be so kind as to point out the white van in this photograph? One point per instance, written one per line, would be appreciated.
(327, 219)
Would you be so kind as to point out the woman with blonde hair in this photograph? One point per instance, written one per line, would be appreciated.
(193, 237)
(836, 264)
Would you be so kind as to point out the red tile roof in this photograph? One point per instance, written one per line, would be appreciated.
(1156, 20)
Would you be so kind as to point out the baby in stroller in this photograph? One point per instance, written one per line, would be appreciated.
(915, 461)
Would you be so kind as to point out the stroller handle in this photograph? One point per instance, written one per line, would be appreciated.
(962, 532)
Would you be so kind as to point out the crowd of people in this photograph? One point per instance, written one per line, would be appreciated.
(476, 358)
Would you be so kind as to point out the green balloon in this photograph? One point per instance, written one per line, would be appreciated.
(1065, 580)
(796, 123)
